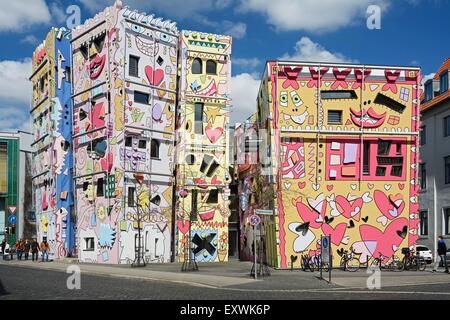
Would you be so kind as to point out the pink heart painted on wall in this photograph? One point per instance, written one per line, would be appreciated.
(213, 134)
(348, 210)
(106, 164)
(386, 206)
(154, 77)
(183, 226)
(337, 234)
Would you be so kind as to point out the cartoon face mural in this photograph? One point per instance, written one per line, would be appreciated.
(360, 191)
(124, 104)
(52, 124)
(203, 115)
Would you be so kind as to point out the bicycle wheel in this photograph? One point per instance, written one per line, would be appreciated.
(325, 267)
(303, 263)
(406, 264)
(376, 263)
(311, 265)
(422, 264)
(352, 265)
(342, 263)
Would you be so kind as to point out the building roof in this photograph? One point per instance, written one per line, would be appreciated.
(442, 97)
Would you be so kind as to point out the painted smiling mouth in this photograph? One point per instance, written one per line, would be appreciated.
(368, 119)
(210, 90)
(147, 48)
(206, 215)
(96, 66)
(300, 119)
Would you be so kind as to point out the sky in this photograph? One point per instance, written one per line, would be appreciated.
(411, 32)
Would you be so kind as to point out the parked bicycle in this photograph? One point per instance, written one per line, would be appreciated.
(413, 261)
(349, 261)
(307, 263)
(393, 264)
(313, 263)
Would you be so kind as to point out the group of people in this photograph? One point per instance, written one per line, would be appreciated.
(23, 248)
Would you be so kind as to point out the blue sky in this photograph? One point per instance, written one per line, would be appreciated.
(413, 32)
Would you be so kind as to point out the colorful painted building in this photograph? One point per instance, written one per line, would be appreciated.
(51, 113)
(342, 146)
(124, 83)
(203, 177)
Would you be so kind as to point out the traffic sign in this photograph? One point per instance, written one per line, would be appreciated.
(12, 209)
(12, 219)
(254, 220)
(263, 212)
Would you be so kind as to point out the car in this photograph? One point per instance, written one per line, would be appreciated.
(425, 253)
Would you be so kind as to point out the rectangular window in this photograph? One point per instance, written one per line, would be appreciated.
(141, 97)
(423, 228)
(68, 74)
(447, 126)
(423, 135)
(384, 146)
(131, 196)
(389, 102)
(213, 196)
(429, 90)
(100, 188)
(447, 169)
(423, 176)
(142, 144)
(381, 171)
(396, 171)
(133, 67)
(89, 244)
(338, 94)
(444, 82)
(447, 221)
(366, 158)
(198, 118)
(128, 142)
(334, 117)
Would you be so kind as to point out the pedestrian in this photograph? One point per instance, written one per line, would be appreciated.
(8, 252)
(441, 254)
(2, 247)
(34, 250)
(19, 249)
(45, 248)
(26, 248)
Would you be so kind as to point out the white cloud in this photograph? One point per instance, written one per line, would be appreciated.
(18, 15)
(311, 15)
(15, 95)
(30, 39)
(14, 81)
(58, 13)
(173, 9)
(244, 91)
(307, 50)
(237, 30)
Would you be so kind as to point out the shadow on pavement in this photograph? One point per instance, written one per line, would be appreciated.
(3, 291)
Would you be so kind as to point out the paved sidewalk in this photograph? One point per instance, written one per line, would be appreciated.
(235, 275)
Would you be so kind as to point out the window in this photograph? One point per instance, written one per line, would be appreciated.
(334, 116)
(3, 167)
(423, 135)
(447, 221)
(198, 126)
(68, 74)
(133, 67)
(154, 152)
(366, 157)
(389, 102)
(213, 196)
(396, 171)
(384, 146)
(131, 196)
(429, 90)
(447, 169)
(100, 185)
(447, 126)
(142, 144)
(141, 97)
(423, 227)
(89, 244)
(84, 51)
(128, 142)
(444, 82)
(211, 67)
(338, 94)
(42, 84)
(212, 168)
(99, 41)
(423, 176)
(197, 66)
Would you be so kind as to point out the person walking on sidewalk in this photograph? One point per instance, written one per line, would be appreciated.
(2, 248)
(34, 250)
(45, 248)
(26, 248)
(19, 249)
(441, 254)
